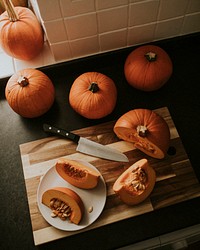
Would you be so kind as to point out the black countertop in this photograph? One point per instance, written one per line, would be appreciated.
(181, 95)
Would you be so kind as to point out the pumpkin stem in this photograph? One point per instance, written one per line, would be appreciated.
(142, 130)
(93, 87)
(23, 81)
(13, 16)
(151, 56)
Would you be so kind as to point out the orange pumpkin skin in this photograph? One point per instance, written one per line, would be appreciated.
(30, 93)
(93, 95)
(22, 39)
(148, 68)
(136, 183)
(147, 130)
(77, 174)
(70, 197)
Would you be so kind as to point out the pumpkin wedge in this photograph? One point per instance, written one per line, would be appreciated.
(146, 129)
(136, 183)
(65, 203)
(77, 174)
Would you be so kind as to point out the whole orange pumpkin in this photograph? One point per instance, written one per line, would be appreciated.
(30, 93)
(148, 68)
(93, 95)
(21, 33)
(146, 129)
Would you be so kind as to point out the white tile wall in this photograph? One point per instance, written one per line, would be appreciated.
(79, 28)
(105, 4)
(193, 6)
(141, 33)
(116, 24)
(114, 40)
(110, 20)
(171, 26)
(191, 23)
(143, 12)
(84, 46)
(172, 8)
(55, 30)
(71, 8)
(50, 9)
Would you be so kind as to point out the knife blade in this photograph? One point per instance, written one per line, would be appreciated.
(87, 146)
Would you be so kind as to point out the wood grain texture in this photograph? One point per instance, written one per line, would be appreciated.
(176, 180)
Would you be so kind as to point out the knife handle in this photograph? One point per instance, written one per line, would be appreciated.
(57, 131)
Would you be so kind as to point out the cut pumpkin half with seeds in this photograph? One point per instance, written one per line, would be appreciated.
(146, 129)
(136, 183)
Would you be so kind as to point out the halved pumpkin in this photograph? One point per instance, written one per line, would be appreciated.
(77, 174)
(146, 129)
(136, 183)
(65, 196)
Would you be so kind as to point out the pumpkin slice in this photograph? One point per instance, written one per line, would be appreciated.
(136, 183)
(65, 203)
(147, 130)
(77, 174)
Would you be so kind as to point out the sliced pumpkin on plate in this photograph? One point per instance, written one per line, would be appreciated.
(65, 203)
(77, 173)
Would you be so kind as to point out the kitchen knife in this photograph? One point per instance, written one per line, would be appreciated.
(87, 146)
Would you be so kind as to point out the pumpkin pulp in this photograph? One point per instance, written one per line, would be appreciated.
(147, 130)
(67, 196)
(77, 174)
(136, 183)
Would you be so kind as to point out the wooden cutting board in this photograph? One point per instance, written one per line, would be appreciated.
(176, 180)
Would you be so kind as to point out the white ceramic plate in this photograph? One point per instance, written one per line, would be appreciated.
(94, 198)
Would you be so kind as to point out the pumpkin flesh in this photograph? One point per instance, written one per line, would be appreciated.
(147, 130)
(69, 197)
(136, 183)
(77, 174)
